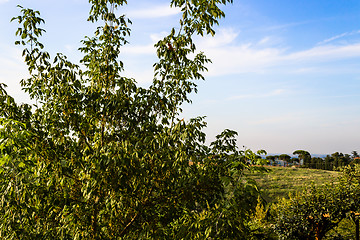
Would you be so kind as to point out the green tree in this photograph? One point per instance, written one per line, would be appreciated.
(340, 159)
(355, 157)
(329, 162)
(304, 156)
(354, 154)
(295, 160)
(318, 163)
(270, 159)
(284, 157)
(99, 157)
(308, 215)
(312, 213)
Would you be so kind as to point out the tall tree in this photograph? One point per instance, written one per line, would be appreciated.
(304, 156)
(284, 157)
(99, 157)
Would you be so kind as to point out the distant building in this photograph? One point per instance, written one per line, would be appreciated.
(281, 163)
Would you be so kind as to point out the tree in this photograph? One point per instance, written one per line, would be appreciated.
(318, 163)
(270, 159)
(308, 215)
(295, 160)
(340, 159)
(355, 157)
(304, 156)
(329, 162)
(284, 157)
(312, 213)
(99, 157)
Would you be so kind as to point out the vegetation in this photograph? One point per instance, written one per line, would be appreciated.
(304, 156)
(99, 157)
(278, 182)
(304, 160)
(312, 213)
(324, 209)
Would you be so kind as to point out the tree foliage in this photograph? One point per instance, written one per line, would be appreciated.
(304, 156)
(318, 209)
(98, 157)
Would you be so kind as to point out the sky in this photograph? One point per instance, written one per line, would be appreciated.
(285, 74)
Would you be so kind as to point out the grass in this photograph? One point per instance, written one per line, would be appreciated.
(280, 181)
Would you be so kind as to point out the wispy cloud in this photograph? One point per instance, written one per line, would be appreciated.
(141, 77)
(326, 53)
(264, 40)
(153, 12)
(287, 25)
(254, 57)
(241, 59)
(339, 36)
(274, 93)
(139, 49)
(13, 69)
(224, 36)
(148, 49)
(155, 37)
(284, 118)
(3, 1)
(262, 56)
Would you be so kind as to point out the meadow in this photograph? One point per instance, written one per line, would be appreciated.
(278, 182)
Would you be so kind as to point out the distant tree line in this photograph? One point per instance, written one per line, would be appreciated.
(305, 160)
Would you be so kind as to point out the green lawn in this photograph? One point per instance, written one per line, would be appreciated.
(279, 181)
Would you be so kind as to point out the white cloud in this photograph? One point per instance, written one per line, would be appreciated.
(3, 1)
(148, 49)
(287, 25)
(155, 37)
(285, 118)
(339, 36)
(231, 58)
(154, 12)
(241, 59)
(326, 53)
(70, 48)
(142, 77)
(13, 69)
(263, 56)
(223, 36)
(264, 40)
(274, 93)
(139, 49)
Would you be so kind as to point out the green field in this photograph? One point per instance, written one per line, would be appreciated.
(279, 181)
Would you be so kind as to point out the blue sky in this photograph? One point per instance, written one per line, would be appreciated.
(285, 74)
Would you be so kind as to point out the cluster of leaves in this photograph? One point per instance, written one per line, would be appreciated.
(318, 209)
(99, 157)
